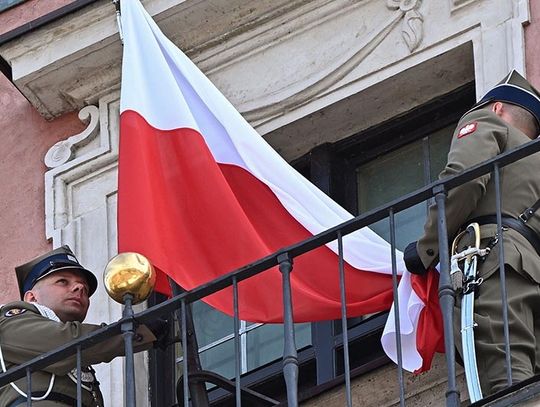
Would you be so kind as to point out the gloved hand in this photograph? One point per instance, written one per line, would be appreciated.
(412, 260)
(160, 329)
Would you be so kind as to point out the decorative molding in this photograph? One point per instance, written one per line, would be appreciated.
(412, 33)
(62, 151)
(74, 61)
(80, 210)
(458, 4)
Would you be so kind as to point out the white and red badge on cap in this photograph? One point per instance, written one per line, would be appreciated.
(467, 129)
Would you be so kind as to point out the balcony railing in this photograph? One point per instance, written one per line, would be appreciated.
(284, 260)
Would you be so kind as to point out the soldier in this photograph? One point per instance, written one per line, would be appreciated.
(55, 290)
(505, 118)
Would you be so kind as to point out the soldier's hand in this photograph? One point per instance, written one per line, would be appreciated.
(160, 329)
(412, 260)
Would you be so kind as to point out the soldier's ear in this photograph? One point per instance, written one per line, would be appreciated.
(497, 108)
(29, 296)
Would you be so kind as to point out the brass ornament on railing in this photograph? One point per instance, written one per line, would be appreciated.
(129, 273)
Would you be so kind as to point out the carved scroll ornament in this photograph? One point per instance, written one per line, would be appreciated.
(63, 151)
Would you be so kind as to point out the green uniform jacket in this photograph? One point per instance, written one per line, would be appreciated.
(520, 188)
(25, 334)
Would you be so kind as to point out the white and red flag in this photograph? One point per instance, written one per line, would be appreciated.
(201, 194)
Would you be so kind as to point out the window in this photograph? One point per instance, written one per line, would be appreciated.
(259, 343)
(361, 172)
(399, 172)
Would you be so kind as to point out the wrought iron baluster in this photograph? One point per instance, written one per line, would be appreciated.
(28, 387)
(128, 331)
(502, 275)
(344, 327)
(290, 355)
(191, 362)
(185, 374)
(446, 297)
(396, 307)
(79, 367)
(237, 368)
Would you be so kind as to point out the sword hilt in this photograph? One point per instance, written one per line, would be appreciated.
(456, 275)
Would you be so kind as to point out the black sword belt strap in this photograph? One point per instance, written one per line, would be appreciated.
(529, 212)
(517, 224)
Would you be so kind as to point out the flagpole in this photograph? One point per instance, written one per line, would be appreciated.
(118, 19)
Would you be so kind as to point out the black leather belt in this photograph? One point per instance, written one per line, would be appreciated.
(58, 397)
(512, 223)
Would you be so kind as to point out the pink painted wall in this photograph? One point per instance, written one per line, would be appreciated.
(26, 12)
(25, 137)
(532, 44)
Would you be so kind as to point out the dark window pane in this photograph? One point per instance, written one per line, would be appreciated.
(210, 324)
(220, 359)
(389, 177)
(439, 145)
(265, 344)
(398, 173)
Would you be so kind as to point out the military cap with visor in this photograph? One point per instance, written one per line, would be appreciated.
(514, 89)
(59, 259)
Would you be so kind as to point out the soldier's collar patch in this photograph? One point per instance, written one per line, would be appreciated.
(469, 128)
(14, 312)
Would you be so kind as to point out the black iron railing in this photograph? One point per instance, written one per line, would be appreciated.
(285, 260)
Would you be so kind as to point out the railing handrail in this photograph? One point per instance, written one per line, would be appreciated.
(254, 268)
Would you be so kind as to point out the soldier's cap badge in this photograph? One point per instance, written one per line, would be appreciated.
(469, 128)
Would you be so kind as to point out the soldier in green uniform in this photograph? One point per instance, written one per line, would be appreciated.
(55, 290)
(505, 118)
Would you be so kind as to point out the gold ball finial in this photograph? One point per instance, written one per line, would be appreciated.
(129, 273)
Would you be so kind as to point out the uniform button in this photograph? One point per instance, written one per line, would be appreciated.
(430, 252)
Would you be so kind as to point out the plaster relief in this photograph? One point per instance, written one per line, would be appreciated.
(63, 151)
(337, 55)
(412, 21)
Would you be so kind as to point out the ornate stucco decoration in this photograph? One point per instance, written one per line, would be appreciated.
(405, 11)
(63, 151)
(412, 21)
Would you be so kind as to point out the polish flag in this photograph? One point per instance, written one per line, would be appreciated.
(201, 194)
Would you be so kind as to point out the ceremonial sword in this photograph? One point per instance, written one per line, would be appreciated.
(464, 282)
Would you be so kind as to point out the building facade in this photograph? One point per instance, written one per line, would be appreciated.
(360, 95)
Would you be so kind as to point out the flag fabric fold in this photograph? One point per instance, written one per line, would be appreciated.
(202, 194)
(420, 322)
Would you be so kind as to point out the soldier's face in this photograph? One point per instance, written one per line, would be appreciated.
(65, 292)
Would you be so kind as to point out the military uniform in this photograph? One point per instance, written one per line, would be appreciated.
(481, 135)
(28, 330)
(520, 188)
(25, 334)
